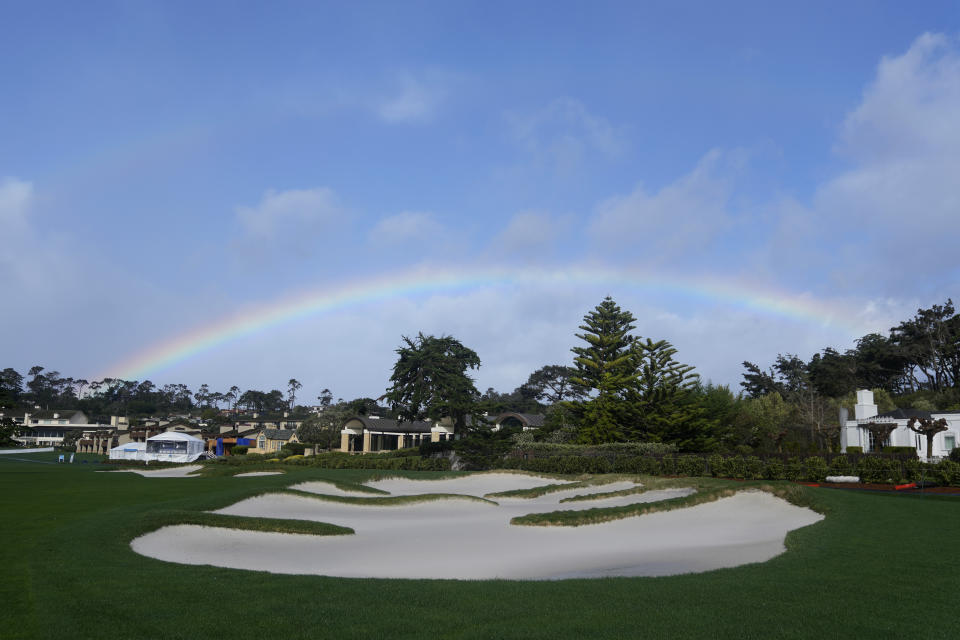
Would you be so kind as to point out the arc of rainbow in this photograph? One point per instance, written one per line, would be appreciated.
(421, 281)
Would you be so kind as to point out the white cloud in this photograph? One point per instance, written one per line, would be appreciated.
(910, 109)
(530, 235)
(684, 215)
(563, 132)
(416, 101)
(897, 206)
(15, 199)
(405, 226)
(295, 210)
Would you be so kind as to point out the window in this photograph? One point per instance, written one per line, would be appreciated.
(876, 447)
(949, 441)
(262, 443)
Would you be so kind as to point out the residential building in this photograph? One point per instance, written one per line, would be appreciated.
(854, 433)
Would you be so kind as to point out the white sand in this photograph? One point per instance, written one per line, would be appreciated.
(253, 474)
(477, 484)
(172, 472)
(474, 540)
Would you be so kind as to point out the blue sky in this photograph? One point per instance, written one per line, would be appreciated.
(166, 165)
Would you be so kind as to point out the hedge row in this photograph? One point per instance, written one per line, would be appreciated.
(811, 469)
(611, 448)
(343, 461)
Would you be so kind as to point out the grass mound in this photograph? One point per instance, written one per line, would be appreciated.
(387, 501)
(269, 525)
(705, 491)
(536, 492)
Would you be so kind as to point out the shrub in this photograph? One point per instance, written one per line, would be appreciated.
(816, 468)
(736, 467)
(691, 466)
(854, 449)
(874, 469)
(614, 448)
(955, 454)
(753, 468)
(795, 469)
(903, 451)
(948, 472)
(840, 466)
(298, 448)
(717, 465)
(774, 470)
(239, 450)
(293, 458)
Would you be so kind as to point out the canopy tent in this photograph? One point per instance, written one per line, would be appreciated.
(173, 447)
(129, 451)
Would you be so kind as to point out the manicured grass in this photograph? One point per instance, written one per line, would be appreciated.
(879, 566)
(707, 490)
(388, 501)
(536, 492)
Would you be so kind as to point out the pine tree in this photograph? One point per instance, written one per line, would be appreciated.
(607, 366)
(663, 400)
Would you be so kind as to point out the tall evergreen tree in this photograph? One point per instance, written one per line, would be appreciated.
(665, 406)
(607, 366)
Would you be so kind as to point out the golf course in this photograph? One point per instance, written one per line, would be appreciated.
(877, 565)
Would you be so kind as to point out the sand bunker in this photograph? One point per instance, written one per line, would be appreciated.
(173, 472)
(473, 540)
(478, 484)
(255, 474)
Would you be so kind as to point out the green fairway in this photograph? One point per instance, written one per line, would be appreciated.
(879, 566)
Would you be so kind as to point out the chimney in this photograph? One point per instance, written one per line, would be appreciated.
(865, 408)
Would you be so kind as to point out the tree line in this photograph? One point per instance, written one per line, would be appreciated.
(618, 387)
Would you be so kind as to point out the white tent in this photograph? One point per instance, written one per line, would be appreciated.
(129, 451)
(173, 447)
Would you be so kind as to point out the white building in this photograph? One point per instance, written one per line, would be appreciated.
(853, 433)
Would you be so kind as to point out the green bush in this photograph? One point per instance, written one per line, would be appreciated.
(816, 468)
(882, 470)
(753, 468)
(337, 460)
(239, 450)
(854, 449)
(614, 448)
(840, 466)
(955, 454)
(948, 472)
(691, 466)
(795, 470)
(298, 448)
(717, 465)
(906, 451)
(735, 467)
(774, 470)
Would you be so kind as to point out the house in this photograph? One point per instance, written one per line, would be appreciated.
(854, 433)
(48, 428)
(526, 421)
(271, 440)
(366, 434)
(267, 421)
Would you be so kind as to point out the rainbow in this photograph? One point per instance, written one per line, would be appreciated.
(422, 281)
